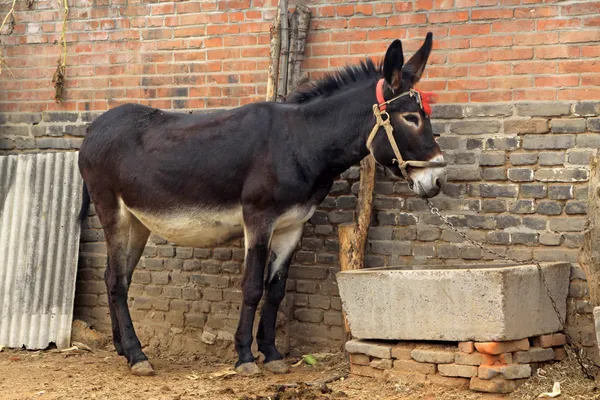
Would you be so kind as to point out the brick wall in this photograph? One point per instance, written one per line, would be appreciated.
(516, 79)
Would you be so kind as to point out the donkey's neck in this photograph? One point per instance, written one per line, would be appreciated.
(337, 128)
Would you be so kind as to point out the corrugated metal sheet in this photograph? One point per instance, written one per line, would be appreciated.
(40, 196)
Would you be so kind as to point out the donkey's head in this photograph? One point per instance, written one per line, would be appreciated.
(408, 149)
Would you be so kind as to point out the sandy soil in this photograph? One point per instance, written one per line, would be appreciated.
(104, 375)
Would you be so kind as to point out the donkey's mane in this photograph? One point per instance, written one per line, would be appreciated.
(334, 81)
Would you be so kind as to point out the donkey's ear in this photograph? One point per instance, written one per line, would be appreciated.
(414, 68)
(392, 65)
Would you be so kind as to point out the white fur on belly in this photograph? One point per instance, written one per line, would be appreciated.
(205, 227)
(199, 227)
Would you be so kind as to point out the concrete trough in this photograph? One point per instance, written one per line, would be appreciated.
(454, 303)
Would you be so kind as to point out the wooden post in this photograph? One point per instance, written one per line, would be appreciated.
(285, 49)
(353, 236)
(292, 50)
(274, 65)
(589, 257)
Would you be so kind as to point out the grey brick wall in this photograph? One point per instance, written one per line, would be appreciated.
(517, 182)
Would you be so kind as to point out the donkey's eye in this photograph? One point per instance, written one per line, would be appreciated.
(411, 119)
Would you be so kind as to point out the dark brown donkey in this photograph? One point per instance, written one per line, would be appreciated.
(259, 171)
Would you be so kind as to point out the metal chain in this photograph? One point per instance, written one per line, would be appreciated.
(585, 362)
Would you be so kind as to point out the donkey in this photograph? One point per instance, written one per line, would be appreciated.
(258, 172)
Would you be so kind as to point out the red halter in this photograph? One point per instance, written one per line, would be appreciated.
(425, 98)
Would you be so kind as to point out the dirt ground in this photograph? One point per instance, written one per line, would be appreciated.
(102, 374)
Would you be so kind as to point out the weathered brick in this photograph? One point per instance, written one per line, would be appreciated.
(543, 109)
(411, 377)
(568, 224)
(465, 347)
(560, 192)
(523, 126)
(560, 353)
(456, 173)
(381, 363)
(474, 127)
(523, 159)
(580, 157)
(212, 294)
(457, 370)
(550, 239)
(492, 158)
(535, 354)
(493, 190)
(365, 370)
(494, 385)
(520, 174)
(359, 359)
(587, 108)
(493, 206)
(447, 111)
(549, 208)
(510, 371)
(332, 318)
(444, 381)
(494, 174)
(555, 255)
(593, 124)
(371, 348)
(535, 191)
(447, 143)
(524, 238)
(308, 315)
(411, 365)
(498, 238)
(401, 351)
(551, 340)
(540, 142)
(59, 116)
(389, 247)
(507, 221)
(502, 347)
(576, 125)
(588, 140)
(576, 207)
(488, 110)
(433, 356)
(562, 174)
(503, 143)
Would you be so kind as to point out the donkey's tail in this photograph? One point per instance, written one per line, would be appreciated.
(85, 204)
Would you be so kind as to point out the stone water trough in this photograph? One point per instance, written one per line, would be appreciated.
(497, 302)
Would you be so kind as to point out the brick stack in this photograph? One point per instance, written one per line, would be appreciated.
(493, 367)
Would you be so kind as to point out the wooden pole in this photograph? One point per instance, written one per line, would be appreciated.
(285, 42)
(292, 50)
(353, 236)
(303, 16)
(589, 257)
(275, 49)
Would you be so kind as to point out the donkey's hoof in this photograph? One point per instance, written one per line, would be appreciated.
(248, 369)
(143, 368)
(277, 367)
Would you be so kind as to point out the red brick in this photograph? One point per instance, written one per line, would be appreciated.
(439, 71)
(467, 84)
(536, 67)
(489, 69)
(557, 81)
(326, 11)
(344, 11)
(556, 24)
(591, 21)
(535, 94)
(491, 95)
(551, 340)
(404, 6)
(511, 54)
(388, 33)
(453, 97)
(592, 7)
(364, 9)
(467, 57)
(492, 41)
(513, 26)
(470, 30)
(492, 13)
(407, 19)
(366, 22)
(557, 52)
(423, 5)
(590, 80)
(450, 16)
(511, 82)
(349, 36)
(385, 8)
(576, 66)
(536, 12)
(580, 36)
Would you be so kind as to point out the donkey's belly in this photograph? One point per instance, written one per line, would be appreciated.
(194, 227)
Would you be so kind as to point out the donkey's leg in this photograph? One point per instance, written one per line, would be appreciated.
(282, 247)
(138, 236)
(118, 224)
(256, 239)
